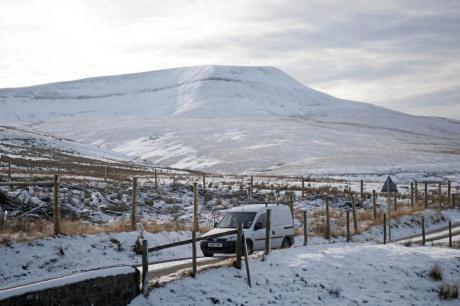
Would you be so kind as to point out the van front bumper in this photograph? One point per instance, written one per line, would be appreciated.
(228, 247)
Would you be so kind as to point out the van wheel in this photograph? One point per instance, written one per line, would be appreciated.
(250, 247)
(208, 254)
(286, 243)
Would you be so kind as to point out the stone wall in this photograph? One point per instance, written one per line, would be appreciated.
(113, 289)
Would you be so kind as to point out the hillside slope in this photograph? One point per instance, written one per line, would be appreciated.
(234, 119)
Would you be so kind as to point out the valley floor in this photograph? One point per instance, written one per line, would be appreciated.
(325, 274)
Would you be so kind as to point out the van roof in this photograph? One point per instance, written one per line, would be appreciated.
(257, 207)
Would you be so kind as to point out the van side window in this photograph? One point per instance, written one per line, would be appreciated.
(261, 219)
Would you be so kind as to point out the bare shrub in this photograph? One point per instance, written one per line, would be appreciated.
(448, 291)
(436, 273)
(334, 291)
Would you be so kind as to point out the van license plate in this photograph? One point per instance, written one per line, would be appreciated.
(215, 245)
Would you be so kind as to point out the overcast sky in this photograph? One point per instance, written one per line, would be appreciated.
(404, 55)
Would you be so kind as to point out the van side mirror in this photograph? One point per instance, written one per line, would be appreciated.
(215, 224)
(258, 226)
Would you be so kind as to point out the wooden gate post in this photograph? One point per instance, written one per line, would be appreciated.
(194, 228)
(450, 233)
(133, 204)
(362, 190)
(374, 205)
(305, 228)
(355, 220)
(145, 268)
(239, 245)
(328, 224)
(56, 206)
(384, 228)
(426, 194)
(423, 230)
(348, 226)
(303, 187)
(267, 231)
(193, 254)
(246, 260)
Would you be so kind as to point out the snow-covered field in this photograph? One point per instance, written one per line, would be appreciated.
(334, 274)
(23, 263)
(235, 120)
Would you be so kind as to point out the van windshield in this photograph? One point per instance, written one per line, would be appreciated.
(231, 219)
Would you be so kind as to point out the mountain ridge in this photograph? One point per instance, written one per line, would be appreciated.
(237, 118)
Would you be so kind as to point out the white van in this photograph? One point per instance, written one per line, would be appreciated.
(253, 218)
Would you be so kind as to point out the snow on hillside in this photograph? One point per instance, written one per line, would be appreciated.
(235, 119)
(334, 274)
(25, 143)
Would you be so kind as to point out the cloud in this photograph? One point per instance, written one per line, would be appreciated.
(391, 53)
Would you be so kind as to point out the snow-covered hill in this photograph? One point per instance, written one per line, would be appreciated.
(234, 119)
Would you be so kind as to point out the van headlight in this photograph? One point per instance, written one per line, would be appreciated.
(231, 238)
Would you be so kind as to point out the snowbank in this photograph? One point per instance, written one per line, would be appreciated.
(337, 274)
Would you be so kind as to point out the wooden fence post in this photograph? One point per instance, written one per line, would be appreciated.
(411, 194)
(328, 224)
(362, 190)
(355, 220)
(384, 228)
(195, 207)
(9, 171)
(416, 192)
(267, 231)
(448, 194)
(450, 233)
(440, 194)
(56, 206)
(156, 178)
(396, 201)
(239, 245)
(145, 268)
(252, 182)
(105, 173)
(348, 226)
(374, 205)
(133, 204)
(303, 187)
(423, 230)
(453, 200)
(204, 180)
(305, 228)
(426, 194)
(291, 204)
(389, 227)
(249, 194)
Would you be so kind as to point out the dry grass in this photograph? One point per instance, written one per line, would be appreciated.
(27, 230)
